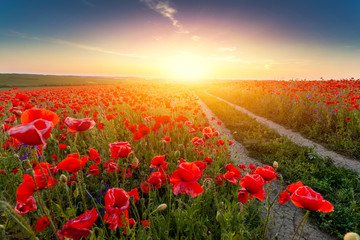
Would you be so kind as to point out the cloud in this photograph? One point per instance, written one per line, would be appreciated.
(76, 45)
(163, 7)
(227, 49)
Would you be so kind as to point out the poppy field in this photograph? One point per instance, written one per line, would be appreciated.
(132, 161)
(326, 111)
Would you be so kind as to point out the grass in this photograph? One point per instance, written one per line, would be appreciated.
(324, 111)
(339, 186)
(26, 81)
(214, 214)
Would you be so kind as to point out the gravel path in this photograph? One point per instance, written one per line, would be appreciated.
(339, 160)
(285, 216)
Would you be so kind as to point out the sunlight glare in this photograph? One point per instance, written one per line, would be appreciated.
(186, 69)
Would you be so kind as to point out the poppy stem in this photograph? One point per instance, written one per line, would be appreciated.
(68, 195)
(307, 214)
(81, 175)
(303, 220)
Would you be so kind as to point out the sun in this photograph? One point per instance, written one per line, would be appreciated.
(186, 69)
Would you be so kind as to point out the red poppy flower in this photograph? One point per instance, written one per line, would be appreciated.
(33, 114)
(253, 183)
(133, 128)
(94, 170)
(94, 156)
(145, 187)
(100, 126)
(208, 160)
(267, 172)
(120, 149)
(155, 179)
(15, 170)
(184, 180)
(33, 133)
(62, 146)
(145, 223)
(242, 195)
(79, 125)
(219, 179)
(22, 97)
(134, 193)
(80, 226)
(42, 223)
(144, 130)
(252, 168)
(304, 197)
(166, 139)
(27, 187)
(233, 169)
(24, 208)
(72, 163)
(159, 162)
(230, 176)
(111, 166)
(201, 165)
(284, 197)
(197, 141)
(116, 207)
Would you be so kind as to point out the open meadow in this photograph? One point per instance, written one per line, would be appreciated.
(143, 161)
(180, 120)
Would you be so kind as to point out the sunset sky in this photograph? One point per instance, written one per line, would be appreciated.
(239, 39)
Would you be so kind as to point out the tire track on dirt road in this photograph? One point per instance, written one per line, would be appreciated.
(338, 159)
(285, 216)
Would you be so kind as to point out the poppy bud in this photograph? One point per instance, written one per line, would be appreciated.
(16, 156)
(351, 236)
(275, 165)
(180, 146)
(63, 178)
(18, 113)
(177, 154)
(220, 216)
(207, 183)
(161, 207)
(135, 161)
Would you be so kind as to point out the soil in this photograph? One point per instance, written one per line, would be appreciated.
(338, 159)
(285, 217)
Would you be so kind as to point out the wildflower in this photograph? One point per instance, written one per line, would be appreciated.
(27, 206)
(33, 133)
(79, 125)
(116, 207)
(33, 114)
(94, 170)
(267, 172)
(284, 197)
(304, 197)
(185, 179)
(242, 195)
(94, 156)
(42, 223)
(80, 226)
(253, 183)
(72, 163)
(120, 149)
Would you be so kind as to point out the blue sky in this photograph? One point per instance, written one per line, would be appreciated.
(223, 38)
